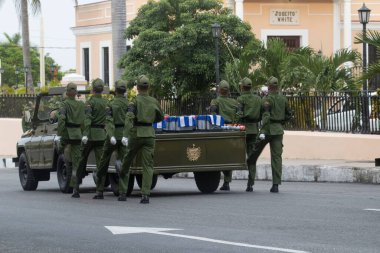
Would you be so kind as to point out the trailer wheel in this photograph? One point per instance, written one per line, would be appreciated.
(27, 179)
(154, 181)
(114, 182)
(64, 175)
(207, 182)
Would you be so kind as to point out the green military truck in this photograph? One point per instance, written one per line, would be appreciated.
(205, 153)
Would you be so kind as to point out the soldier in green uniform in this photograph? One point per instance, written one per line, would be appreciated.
(116, 110)
(250, 105)
(93, 134)
(227, 108)
(139, 136)
(275, 112)
(70, 123)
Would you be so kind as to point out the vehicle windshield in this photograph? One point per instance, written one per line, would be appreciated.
(47, 105)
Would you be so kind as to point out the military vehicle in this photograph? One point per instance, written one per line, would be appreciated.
(205, 153)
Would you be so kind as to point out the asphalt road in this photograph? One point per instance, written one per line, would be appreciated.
(309, 217)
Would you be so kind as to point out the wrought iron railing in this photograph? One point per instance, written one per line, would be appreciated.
(349, 112)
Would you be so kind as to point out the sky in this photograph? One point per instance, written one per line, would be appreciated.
(59, 18)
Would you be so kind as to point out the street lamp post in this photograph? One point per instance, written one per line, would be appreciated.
(364, 14)
(26, 70)
(17, 71)
(216, 30)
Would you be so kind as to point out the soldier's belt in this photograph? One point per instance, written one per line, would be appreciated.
(119, 125)
(276, 121)
(72, 125)
(143, 124)
(97, 126)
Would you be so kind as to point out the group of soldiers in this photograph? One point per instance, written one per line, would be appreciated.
(126, 127)
(250, 109)
(105, 126)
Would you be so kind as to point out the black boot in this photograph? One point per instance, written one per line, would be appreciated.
(144, 199)
(122, 197)
(249, 188)
(274, 188)
(225, 187)
(99, 195)
(75, 194)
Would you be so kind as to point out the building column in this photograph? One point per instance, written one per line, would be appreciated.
(347, 24)
(336, 31)
(239, 9)
(230, 4)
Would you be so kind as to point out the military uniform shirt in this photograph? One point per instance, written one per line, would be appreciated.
(227, 108)
(279, 112)
(70, 119)
(116, 110)
(147, 111)
(95, 118)
(251, 105)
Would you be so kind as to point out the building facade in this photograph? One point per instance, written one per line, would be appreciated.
(325, 25)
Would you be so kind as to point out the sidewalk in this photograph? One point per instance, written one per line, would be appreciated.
(315, 171)
(299, 171)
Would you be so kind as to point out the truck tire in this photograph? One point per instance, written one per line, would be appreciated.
(114, 182)
(27, 179)
(64, 175)
(207, 182)
(154, 181)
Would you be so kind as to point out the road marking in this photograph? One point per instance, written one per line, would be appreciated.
(116, 230)
(368, 209)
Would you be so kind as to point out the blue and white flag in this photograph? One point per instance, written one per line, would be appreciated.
(186, 121)
(159, 125)
(216, 120)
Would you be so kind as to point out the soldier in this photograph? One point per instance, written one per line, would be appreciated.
(94, 123)
(116, 110)
(275, 112)
(227, 108)
(139, 136)
(70, 122)
(250, 105)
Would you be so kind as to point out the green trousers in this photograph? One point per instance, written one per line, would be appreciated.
(108, 149)
(146, 148)
(97, 146)
(275, 144)
(250, 140)
(72, 153)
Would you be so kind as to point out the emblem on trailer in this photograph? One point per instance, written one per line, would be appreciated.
(193, 153)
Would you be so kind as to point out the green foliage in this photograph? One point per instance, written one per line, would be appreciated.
(299, 70)
(372, 38)
(174, 45)
(12, 58)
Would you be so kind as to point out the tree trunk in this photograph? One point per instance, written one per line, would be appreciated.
(26, 44)
(119, 21)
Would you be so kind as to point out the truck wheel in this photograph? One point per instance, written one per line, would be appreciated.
(64, 175)
(207, 182)
(27, 179)
(154, 181)
(114, 182)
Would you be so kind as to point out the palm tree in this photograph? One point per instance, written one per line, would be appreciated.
(372, 38)
(22, 9)
(15, 39)
(119, 21)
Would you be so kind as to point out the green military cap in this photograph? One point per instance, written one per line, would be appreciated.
(224, 85)
(120, 84)
(272, 81)
(143, 80)
(97, 84)
(71, 87)
(246, 82)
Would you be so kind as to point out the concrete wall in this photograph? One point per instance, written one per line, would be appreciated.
(297, 144)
